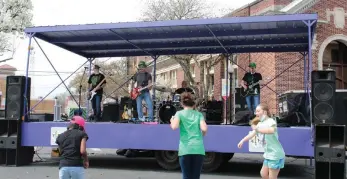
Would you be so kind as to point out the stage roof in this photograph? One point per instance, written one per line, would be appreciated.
(279, 33)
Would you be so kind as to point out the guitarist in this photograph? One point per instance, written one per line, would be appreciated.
(93, 83)
(253, 95)
(143, 79)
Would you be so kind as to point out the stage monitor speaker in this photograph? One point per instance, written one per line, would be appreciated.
(323, 97)
(15, 89)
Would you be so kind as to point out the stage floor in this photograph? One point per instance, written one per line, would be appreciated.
(220, 138)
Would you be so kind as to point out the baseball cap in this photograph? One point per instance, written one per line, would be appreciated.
(96, 67)
(252, 65)
(142, 64)
(78, 120)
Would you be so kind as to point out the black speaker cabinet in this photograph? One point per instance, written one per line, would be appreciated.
(330, 152)
(214, 112)
(15, 90)
(111, 112)
(323, 97)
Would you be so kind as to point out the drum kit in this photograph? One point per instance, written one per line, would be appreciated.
(165, 109)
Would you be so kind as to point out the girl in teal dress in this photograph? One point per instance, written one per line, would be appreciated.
(266, 128)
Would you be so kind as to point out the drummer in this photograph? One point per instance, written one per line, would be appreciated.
(184, 88)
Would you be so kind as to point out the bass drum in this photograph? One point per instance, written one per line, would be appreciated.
(166, 112)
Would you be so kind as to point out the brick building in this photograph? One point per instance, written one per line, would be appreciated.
(329, 49)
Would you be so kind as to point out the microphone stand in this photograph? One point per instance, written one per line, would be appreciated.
(80, 90)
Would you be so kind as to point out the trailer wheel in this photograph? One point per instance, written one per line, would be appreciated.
(212, 161)
(167, 159)
(227, 157)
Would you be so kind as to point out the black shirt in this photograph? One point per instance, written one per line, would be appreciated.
(182, 90)
(69, 144)
(250, 79)
(94, 80)
(142, 78)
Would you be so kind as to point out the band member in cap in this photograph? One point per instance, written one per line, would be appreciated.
(251, 84)
(143, 79)
(93, 84)
(73, 150)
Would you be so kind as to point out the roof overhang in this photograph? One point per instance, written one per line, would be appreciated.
(279, 33)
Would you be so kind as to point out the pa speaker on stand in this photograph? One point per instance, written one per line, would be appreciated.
(329, 128)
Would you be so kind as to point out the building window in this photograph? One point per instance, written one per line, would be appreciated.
(173, 77)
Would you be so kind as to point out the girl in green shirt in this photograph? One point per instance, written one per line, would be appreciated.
(266, 130)
(192, 127)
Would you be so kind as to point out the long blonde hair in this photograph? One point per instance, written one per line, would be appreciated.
(254, 121)
(265, 108)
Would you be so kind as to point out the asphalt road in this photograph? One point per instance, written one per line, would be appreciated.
(106, 165)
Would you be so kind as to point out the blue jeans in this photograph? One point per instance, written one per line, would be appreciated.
(255, 100)
(96, 105)
(147, 97)
(71, 173)
(191, 166)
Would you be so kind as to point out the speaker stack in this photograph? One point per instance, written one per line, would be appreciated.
(11, 150)
(329, 128)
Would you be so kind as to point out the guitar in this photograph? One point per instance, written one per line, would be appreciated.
(93, 93)
(135, 92)
(125, 115)
(250, 89)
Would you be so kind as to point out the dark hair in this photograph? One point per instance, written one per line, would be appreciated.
(78, 112)
(75, 126)
(187, 100)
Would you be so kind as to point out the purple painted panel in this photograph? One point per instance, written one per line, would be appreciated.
(221, 138)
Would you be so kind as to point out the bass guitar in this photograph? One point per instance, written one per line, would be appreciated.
(135, 92)
(93, 93)
(250, 90)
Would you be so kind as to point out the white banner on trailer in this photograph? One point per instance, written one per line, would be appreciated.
(256, 143)
(55, 131)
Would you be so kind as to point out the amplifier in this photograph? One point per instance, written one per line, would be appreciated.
(41, 117)
(240, 101)
(111, 112)
(296, 102)
(213, 112)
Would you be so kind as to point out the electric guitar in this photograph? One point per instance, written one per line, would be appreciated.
(249, 90)
(93, 93)
(135, 92)
(125, 115)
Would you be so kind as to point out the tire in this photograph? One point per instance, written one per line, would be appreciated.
(227, 157)
(212, 161)
(167, 159)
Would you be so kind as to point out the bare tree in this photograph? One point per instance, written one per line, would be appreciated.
(15, 15)
(157, 10)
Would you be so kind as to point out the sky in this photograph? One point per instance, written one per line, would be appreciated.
(66, 12)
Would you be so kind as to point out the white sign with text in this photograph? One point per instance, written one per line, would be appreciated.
(256, 143)
(55, 131)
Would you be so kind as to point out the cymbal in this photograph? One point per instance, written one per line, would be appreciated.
(162, 88)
